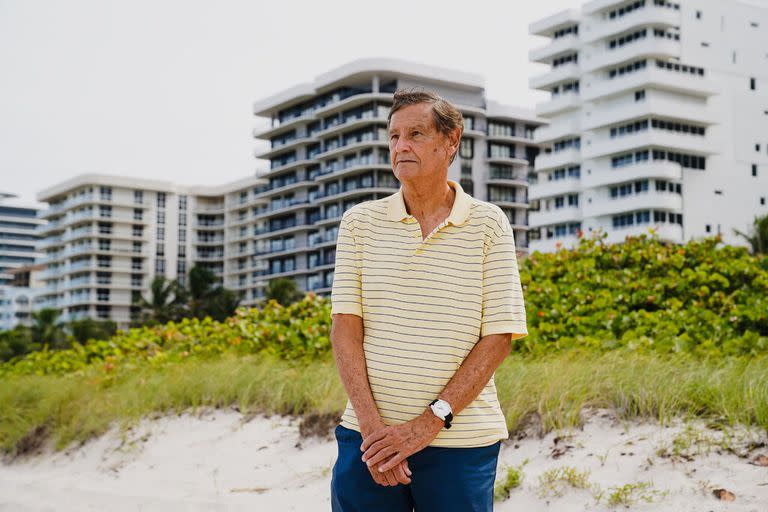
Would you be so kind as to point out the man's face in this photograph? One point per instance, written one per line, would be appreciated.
(416, 148)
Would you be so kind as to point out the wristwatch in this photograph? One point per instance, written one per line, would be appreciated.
(442, 410)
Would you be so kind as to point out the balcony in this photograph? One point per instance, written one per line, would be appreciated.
(651, 76)
(559, 74)
(649, 170)
(651, 47)
(545, 161)
(351, 124)
(553, 188)
(644, 201)
(660, 17)
(293, 144)
(279, 128)
(563, 102)
(547, 26)
(552, 244)
(544, 54)
(659, 106)
(554, 216)
(665, 231)
(557, 130)
(695, 144)
(352, 101)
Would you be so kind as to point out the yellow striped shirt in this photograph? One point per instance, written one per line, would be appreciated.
(425, 303)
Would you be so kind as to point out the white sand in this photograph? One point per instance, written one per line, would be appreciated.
(219, 462)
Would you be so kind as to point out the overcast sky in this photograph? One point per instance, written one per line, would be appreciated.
(164, 88)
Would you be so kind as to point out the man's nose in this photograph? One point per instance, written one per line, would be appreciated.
(402, 145)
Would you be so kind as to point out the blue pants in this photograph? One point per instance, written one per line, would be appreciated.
(442, 480)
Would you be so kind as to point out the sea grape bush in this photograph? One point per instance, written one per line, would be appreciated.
(703, 299)
(299, 331)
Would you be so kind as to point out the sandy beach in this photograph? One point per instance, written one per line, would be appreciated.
(222, 460)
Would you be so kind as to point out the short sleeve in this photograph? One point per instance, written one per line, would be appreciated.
(346, 294)
(503, 309)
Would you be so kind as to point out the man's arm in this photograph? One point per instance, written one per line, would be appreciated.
(401, 441)
(347, 341)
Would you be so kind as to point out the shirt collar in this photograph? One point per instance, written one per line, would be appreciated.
(459, 212)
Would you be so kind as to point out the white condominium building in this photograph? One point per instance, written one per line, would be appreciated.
(108, 236)
(18, 235)
(329, 151)
(658, 119)
(19, 223)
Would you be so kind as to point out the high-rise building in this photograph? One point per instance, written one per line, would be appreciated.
(18, 235)
(108, 236)
(329, 150)
(658, 119)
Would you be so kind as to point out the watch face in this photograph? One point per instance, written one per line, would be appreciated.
(442, 408)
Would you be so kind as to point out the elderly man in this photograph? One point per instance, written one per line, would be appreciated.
(426, 299)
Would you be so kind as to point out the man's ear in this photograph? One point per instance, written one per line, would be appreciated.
(455, 139)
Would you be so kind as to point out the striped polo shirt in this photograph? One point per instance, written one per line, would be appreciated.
(425, 303)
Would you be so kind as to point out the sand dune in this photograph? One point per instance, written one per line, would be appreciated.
(225, 461)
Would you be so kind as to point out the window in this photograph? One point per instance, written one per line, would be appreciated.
(757, 147)
(138, 214)
(182, 202)
(161, 216)
(698, 15)
(160, 232)
(160, 266)
(160, 250)
(754, 169)
(161, 199)
(640, 95)
(137, 230)
(467, 148)
(762, 200)
(752, 83)
(708, 228)
(705, 44)
(138, 196)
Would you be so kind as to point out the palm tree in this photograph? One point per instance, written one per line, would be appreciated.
(284, 290)
(89, 329)
(46, 329)
(167, 301)
(758, 237)
(207, 297)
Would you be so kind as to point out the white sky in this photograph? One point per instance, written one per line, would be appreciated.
(164, 88)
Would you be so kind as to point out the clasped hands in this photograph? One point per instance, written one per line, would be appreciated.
(385, 449)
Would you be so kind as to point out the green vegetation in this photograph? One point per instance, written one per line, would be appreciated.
(555, 481)
(647, 329)
(75, 406)
(511, 480)
(645, 295)
(629, 494)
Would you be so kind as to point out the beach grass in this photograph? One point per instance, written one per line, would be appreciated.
(554, 388)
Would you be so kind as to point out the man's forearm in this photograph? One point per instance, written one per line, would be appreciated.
(350, 361)
(476, 370)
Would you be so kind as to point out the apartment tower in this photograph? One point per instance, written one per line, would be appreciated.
(658, 117)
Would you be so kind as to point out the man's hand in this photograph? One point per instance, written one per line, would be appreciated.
(400, 474)
(389, 446)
